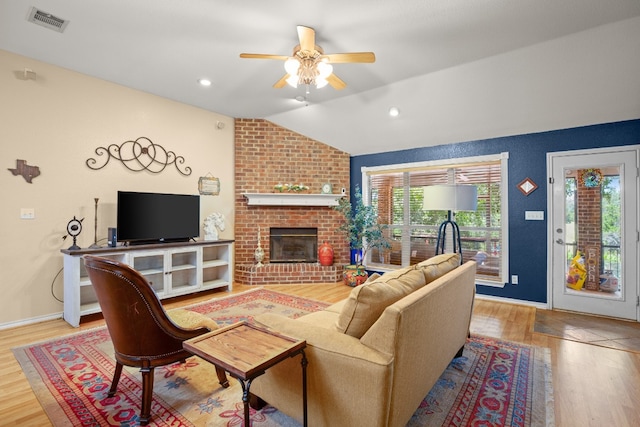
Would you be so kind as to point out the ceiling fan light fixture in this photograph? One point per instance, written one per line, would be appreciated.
(324, 70)
(309, 66)
(292, 81)
(291, 66)
(321, 82)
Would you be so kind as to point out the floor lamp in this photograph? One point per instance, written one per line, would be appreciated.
(450, 198)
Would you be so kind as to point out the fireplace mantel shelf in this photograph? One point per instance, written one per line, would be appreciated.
(292, 199)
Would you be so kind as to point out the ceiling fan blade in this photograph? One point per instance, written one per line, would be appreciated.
(336, 82)
(307, 38)
(282, 82)
(263, 56)
(338, 58)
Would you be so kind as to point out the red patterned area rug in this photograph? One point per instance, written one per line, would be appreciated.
(494, 384)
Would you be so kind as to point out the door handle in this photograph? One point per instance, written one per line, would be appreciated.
(560, 241)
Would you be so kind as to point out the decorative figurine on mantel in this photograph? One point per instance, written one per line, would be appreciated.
(212, 224)
(259, 253)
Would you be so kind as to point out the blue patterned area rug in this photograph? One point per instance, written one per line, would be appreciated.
(495, 383)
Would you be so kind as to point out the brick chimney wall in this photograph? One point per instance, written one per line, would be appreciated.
(265, 155)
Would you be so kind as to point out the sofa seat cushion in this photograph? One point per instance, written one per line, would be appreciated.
(439, 265)
(367, 302)
(323, 318)
(337, 307)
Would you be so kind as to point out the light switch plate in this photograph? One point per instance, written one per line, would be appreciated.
(534, 215)
(27, 213)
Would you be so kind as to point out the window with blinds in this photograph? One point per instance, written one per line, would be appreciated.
(397, 193)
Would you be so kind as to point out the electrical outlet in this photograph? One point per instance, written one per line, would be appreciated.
(27, 213)
(514, 279)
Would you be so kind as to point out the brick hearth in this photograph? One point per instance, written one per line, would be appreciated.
(269, 274)
(266, 155)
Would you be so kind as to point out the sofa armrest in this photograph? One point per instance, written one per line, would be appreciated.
(348, 383)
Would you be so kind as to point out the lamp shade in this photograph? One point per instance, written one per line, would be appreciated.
(450, 197)
(320, 82)
(292, 81)
(291, 66)
(324, 69)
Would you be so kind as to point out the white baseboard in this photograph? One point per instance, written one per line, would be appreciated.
(31, 321)
(540, 305)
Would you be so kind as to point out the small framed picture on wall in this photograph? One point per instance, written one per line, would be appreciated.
(209, 186)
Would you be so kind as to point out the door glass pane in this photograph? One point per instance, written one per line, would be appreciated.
(593, 232)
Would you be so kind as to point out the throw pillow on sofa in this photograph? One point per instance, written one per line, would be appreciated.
(367, 302)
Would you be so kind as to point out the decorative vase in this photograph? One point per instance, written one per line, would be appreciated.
(356, 256)
(259, 255)
(325, 254)
(354, 275)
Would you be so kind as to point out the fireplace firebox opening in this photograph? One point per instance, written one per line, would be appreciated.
(293, 244)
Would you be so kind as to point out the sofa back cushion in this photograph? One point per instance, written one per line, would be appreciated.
(368, 301)
(439, 265)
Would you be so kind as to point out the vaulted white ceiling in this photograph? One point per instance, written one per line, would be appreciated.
(457, 70)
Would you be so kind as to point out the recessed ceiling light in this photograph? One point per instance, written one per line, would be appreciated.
(205, 82)
(394, 112)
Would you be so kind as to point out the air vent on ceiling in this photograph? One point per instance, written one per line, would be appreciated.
(47, 20)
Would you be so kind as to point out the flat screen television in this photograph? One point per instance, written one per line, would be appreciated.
(144, 218)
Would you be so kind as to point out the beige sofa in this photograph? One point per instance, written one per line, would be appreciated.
(374, 356)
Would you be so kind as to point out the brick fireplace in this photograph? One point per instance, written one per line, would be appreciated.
(265, 155)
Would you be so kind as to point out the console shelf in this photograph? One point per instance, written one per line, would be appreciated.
(172, 269)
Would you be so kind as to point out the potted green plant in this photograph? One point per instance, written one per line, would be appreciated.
(363, 232)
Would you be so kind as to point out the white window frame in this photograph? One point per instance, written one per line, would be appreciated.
(504, 203)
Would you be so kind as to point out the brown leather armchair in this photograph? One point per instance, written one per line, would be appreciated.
(142, 334)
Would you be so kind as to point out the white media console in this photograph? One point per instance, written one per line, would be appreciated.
(172, 269)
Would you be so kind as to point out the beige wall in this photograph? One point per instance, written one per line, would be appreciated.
(56, 122)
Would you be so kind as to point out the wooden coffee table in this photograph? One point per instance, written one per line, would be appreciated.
(246, 351)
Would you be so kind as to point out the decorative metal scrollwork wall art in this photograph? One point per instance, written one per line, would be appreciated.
(138, 156)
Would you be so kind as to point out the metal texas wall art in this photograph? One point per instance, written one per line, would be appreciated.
(28, 172)
(139, 155)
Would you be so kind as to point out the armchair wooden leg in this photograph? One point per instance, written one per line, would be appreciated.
(116, 379)
(222, 377)
(147, 394)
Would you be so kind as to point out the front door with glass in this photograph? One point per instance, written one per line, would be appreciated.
(594, 231)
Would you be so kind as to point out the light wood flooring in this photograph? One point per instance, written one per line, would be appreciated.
(605, 332)
(593, 386)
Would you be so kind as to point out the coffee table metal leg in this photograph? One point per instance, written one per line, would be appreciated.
(246, 385)
(304, 387)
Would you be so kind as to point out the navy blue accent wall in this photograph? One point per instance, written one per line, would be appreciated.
(527, 158)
